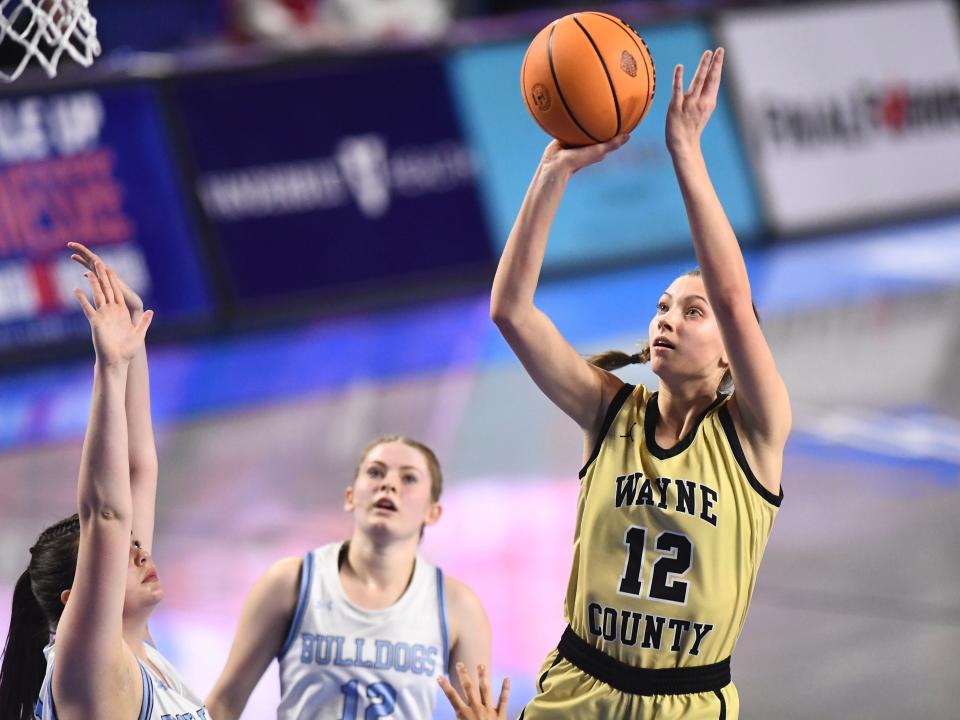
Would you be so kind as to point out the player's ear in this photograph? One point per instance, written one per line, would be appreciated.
(64, 596)
(433, 514)
(348, 503)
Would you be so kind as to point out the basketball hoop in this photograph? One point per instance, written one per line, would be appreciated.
(44, 29)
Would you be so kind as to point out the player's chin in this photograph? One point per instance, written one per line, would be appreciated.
(153, 595)
(389, 528)
(150, 593)
(659, 365)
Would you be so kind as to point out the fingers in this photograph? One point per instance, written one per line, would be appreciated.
(144, 323)
(676, 96)
(700, 76)
(84, 255)
(96, 289)
(101, 271)
(504, 696)
(117, 286)
(484, 681)
(84, 304)
(469, 689)
(581, 157)
(458, 705)
(712, 85)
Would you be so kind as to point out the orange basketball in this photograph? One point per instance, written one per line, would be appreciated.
(587, 77)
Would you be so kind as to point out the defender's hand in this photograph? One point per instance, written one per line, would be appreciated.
(479, 702)
(115, 337)
(89, 259)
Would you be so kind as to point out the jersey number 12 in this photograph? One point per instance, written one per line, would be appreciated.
(382, 696)
(676, 563)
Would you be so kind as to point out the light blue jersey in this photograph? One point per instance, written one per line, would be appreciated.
(165, 696)
(341, 662)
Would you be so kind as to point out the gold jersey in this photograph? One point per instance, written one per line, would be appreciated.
(668, 541)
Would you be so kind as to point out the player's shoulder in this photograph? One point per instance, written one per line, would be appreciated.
(465, 611)
(285, 570)
(626, 395)
(279, 587)
(462, 600)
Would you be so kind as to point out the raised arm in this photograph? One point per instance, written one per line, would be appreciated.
(581, 390)
(761, 396)
(264, 625)
(141, 446)
(95, 671)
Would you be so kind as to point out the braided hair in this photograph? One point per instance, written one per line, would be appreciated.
(34, 615)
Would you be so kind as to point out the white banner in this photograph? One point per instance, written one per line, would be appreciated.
(850, 111)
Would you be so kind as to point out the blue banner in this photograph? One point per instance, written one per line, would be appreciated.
(628, 206)
(92, 166)
(327, 182)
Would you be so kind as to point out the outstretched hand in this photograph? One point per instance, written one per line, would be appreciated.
(116, 338)
(571, 159)
(689, 111)
(89, 259)
(479, 703)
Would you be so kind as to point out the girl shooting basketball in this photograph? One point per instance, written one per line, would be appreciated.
(361, 628)
(679, 487)
(91, 581)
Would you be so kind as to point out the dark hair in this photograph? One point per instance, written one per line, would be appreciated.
(35, 612)
(615, 359)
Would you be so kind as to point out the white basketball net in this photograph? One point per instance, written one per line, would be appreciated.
(47, 28)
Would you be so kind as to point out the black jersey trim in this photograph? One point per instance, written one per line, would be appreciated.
(612, 411)
(723, 706)
(652, 415)
(546, 672)
(637, 680)
(726, 420)
(306, 578)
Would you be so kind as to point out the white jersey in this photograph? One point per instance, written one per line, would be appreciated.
(340, 661)
(165, 696)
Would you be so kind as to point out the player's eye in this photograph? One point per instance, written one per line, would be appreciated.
(409, 478)
(374, 472)
(697, 312)
(662, 307)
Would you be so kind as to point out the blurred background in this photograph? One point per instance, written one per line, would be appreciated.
(313, 195)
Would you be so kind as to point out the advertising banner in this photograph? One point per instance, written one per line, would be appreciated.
(91, 166)
(626, 208)
(321, 182)
(852, 111)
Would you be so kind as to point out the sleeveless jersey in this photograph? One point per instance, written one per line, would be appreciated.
(340, 661)
(668, 541)
(165, 697)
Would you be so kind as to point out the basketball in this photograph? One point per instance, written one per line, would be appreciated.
(587, 77)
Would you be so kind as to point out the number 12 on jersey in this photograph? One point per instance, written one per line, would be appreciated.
(676, 563)
(382, 696)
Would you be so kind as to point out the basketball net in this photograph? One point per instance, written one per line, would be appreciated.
(47, 28)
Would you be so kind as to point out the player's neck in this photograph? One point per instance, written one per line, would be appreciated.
(135, 633)
(681, 404)
(379, 572)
